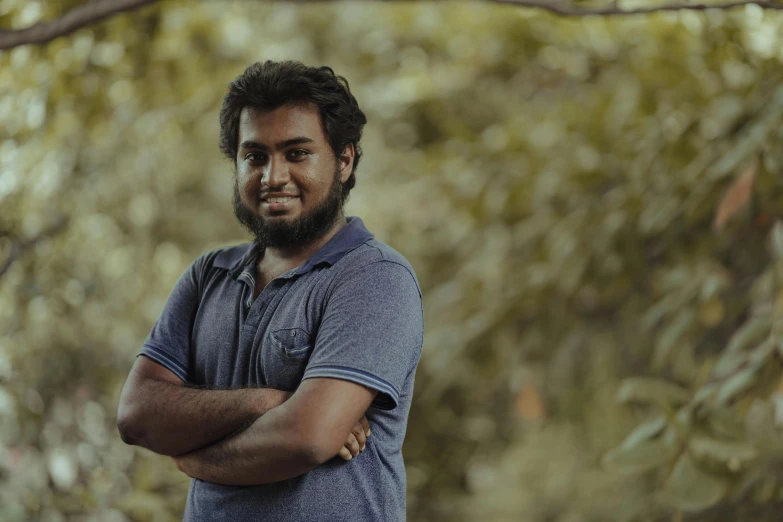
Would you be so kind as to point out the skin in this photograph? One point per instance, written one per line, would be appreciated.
(280, 151)
(265, 164)
(157, 411)
(292, 439)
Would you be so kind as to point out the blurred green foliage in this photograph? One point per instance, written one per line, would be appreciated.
(596, 348)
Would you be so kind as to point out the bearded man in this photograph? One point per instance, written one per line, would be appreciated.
(279, 375)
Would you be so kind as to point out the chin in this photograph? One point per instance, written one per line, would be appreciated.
(281, 215)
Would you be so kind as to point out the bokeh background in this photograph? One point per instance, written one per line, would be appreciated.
(593, 207)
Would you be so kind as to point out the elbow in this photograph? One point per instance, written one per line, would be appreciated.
(316, 451)
(136, 424)
(127, 433)
(313, 455)
(135, 433)
(309, 439)
(128, 425)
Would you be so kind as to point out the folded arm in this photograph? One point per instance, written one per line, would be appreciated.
(159, 412)
(294, 438)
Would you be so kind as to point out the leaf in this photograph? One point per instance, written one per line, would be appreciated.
(761, 353)
(711, 313)
(528, 403)
(776, 239)
(777, 403)
(652, 391)
(691, 489)
(736, 384)
(737, 195)
(656, 312)
(705, 392)
(631, 461)
(760, 424)
(753, 330)
(731, 453)
(684, 417)
(640, 451)
(733, 359)
(728, 363)
(645, 431)
(725, 423)
(638, 458)
(717, 281)
(670, 336)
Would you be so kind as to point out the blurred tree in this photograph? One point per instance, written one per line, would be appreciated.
(97, 10)
(577, 196)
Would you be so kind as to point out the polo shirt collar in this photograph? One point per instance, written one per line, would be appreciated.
(351, 236)
(242, 258)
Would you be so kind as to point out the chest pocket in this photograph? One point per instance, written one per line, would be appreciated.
(286, 358)
(294, 342)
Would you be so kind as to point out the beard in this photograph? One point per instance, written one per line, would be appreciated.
(284, 233)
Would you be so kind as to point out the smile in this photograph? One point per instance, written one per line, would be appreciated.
(278, 203)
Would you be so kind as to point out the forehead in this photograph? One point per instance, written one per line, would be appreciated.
(285, 122)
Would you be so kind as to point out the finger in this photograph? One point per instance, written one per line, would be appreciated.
(366, 425)
(345, 454)
(358, 432)
(352, 444)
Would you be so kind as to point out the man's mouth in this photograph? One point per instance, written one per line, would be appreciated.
(278, 203)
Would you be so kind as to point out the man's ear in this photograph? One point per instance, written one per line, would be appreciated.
(346, 162)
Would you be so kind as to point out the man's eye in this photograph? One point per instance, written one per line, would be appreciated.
(253, 156)
(299, 153)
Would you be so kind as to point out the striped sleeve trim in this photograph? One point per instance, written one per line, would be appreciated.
(161, 357)
(387, 399)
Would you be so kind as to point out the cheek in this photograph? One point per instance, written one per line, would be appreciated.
(315, 183)
(247, 185)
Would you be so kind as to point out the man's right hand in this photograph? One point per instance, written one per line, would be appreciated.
(357, 439)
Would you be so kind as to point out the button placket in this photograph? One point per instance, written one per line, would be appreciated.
(266, 296)
(262, 301)
(250, 283)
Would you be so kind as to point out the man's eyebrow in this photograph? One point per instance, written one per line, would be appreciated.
(280, 146)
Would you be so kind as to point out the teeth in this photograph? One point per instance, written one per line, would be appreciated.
(279, 199)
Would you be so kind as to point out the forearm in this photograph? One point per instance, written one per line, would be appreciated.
(171, 419)
(267, 451)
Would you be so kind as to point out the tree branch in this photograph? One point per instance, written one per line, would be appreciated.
(564, 9)
(19, 246)
(97, 10)
(87, 14)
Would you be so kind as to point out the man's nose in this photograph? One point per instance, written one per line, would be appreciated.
(276, 174)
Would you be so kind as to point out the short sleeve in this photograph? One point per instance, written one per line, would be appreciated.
(372, 330)
(168, 343)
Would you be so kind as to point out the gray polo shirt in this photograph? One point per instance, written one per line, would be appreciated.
(352, 311)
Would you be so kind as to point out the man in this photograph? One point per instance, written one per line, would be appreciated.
(273, 357)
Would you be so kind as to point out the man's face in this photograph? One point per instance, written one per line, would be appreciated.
(288, 183)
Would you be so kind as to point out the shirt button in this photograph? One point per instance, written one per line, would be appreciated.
(293, 333)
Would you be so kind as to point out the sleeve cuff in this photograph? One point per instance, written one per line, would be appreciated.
(165, 360)
(388, 396)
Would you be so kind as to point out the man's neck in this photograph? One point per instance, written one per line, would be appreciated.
(276, 261)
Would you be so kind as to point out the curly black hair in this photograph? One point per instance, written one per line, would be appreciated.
(269, 85)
